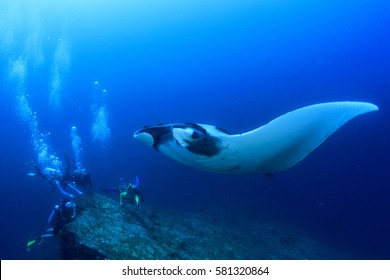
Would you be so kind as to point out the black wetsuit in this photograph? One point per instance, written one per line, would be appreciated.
(64, 215)
(83, 179)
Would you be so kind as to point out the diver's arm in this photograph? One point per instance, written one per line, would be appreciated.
(39, 171)
(74, 213)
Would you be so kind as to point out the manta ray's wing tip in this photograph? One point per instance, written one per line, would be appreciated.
(369, 106)
(374, 107)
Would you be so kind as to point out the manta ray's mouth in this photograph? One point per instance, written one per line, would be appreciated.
(145, 138)
(153, 136)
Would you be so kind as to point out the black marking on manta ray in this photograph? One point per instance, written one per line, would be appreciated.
(202, 142)
(200, 128)
(207, 146)
(229, 155)
(163, 139)
(223, 130)
(160, 134)
(196, 126)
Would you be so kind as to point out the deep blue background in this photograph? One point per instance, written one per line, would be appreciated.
(235, 64)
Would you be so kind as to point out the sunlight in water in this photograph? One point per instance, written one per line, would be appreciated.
(60, 71)
(17, 74)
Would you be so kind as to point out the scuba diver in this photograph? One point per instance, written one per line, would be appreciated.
(57, 180)
(79, 177)
(62, 214)
(131, 192)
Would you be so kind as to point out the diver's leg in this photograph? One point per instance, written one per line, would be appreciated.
(89, 184)
(67, 170)
(68, 195)
(74, 188)
(53, 215)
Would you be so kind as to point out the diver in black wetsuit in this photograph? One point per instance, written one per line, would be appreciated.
(80, 177)
(62, 214)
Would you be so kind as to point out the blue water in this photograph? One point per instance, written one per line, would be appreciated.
(111, 67)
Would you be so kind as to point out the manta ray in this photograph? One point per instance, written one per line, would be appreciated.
(273, 147)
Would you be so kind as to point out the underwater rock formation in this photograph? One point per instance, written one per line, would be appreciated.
(106, 230)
